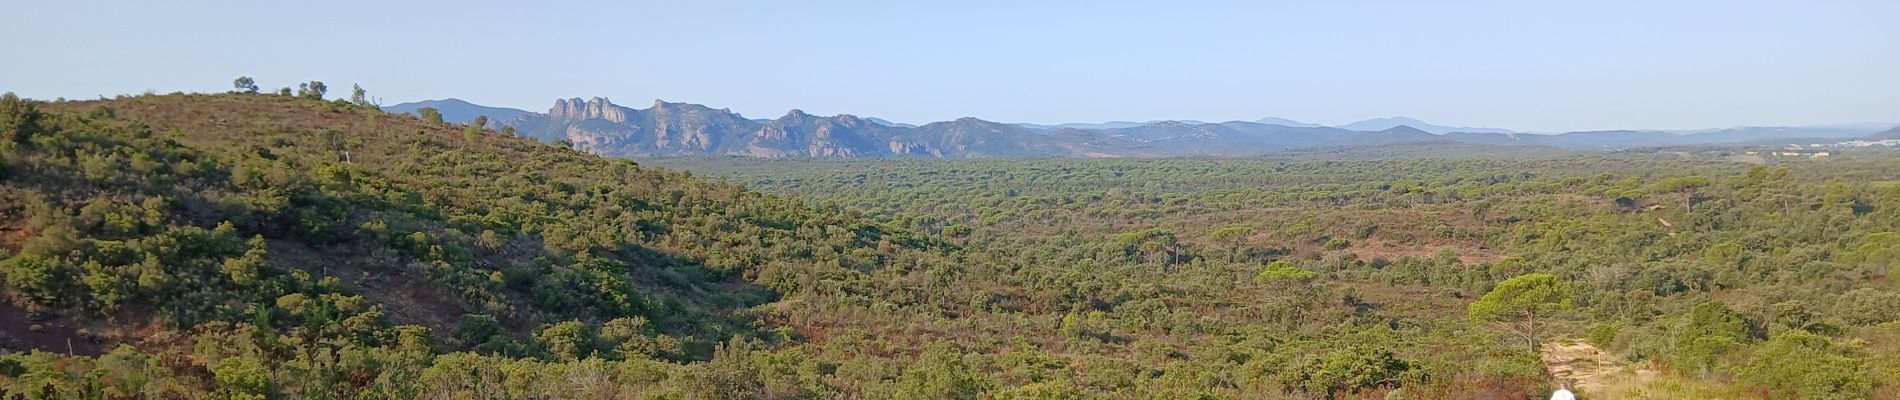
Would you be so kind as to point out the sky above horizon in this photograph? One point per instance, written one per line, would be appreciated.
(1539, 66)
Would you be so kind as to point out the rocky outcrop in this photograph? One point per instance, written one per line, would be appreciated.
(598, 126)
(598, 107)
(903, 148)
(685, 127)
(801, 134)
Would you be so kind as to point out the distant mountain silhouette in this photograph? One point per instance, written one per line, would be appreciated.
(1860, 126)
(458, 111)
(680, 129)
(1396, 135)
(881, 121)
(1380, 124)
(600, 126)
(1285, 122)
(1081, 125)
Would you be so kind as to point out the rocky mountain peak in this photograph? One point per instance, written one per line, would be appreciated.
(576, 109)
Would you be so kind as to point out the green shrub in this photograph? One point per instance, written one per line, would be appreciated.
(1352, 370)
(1603, 335)
(19, 118)
(1803, 365)
(1281, 272)
(430, 114)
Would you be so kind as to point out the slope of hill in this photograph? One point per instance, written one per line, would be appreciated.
(1756, 133)
(258, 246)
(459, 111)
(885, 122)
(300, 215)
(1396, 135)
(1889, 134)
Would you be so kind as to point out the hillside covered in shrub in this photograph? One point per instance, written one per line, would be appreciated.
(284, 246)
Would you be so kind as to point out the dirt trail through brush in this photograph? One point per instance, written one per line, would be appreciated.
(1590, 370)
(1666, 224)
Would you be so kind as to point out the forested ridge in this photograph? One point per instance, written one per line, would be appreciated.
(282, 246)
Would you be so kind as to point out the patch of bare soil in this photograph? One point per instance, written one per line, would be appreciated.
(13, 237)
(1589, 369)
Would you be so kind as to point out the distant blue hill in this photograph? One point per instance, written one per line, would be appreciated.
(1889, 134)
(458, 111)
(1371, 125)
(885, 122)
(1380, 124)
(1084, 125)
(1286, 122)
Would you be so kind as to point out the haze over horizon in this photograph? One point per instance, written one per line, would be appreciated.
(1534, 67)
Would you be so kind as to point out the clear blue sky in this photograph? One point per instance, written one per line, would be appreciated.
(1534, 65)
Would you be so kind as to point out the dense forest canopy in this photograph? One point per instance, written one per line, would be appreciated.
(264, 246)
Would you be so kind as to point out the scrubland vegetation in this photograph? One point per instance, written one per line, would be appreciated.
(260, 246)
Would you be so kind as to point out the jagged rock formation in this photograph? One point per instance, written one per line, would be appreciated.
(598, 107)
(598, 125)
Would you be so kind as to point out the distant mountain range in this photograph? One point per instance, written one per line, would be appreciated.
(1285, 122)
(458, 111)
(673, 129)
(1084, 125)
(1889, 134)
(1379, 124)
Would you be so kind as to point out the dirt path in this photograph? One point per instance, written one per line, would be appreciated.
(1591, 370)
